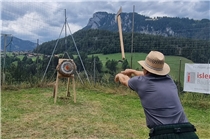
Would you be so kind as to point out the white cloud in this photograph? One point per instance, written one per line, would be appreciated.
(43, 19)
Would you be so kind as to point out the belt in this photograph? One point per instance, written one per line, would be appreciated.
(172, 129)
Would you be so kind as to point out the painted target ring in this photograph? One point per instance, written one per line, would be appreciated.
(67, 68)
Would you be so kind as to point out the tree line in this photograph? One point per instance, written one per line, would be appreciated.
(31, 71)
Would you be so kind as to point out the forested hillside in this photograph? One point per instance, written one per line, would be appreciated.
(101, 41)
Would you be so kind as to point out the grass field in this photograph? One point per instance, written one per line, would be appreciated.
(111, 112)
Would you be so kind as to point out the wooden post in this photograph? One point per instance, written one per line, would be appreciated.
(73, 82)
(68, 93)
(56, 88)
(179, 82)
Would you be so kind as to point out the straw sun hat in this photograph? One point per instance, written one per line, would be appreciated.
(155, 63)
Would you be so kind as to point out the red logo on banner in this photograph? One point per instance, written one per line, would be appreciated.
(191, 77)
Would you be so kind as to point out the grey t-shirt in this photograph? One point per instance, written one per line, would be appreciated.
(159, 98)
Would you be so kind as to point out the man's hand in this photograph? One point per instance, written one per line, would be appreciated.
(117, 77)
(122, 79)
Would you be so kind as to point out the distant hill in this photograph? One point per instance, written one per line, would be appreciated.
(16, 44)
(164, 26)
(95, 41)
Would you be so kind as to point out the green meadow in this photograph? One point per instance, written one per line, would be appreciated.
(100, 112)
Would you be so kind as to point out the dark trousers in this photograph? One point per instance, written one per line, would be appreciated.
(173, 131)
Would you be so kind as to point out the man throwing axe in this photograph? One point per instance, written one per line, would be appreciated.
(158, 94)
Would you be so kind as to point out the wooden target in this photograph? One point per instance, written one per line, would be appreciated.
(66, 68)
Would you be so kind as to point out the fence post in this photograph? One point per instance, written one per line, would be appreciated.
(179, 82)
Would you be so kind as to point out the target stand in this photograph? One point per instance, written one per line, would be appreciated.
(65, 69)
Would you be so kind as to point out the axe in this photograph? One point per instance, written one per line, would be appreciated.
(118, 20)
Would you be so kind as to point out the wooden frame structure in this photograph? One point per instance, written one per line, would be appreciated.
(70, 76)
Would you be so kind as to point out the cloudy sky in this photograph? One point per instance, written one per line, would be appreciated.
(44, 19)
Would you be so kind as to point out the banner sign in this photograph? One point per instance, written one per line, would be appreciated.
(197, 78)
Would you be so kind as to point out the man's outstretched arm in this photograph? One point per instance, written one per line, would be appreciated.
(130, 72)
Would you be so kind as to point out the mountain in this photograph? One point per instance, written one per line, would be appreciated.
(16, 44)
(164, 26)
